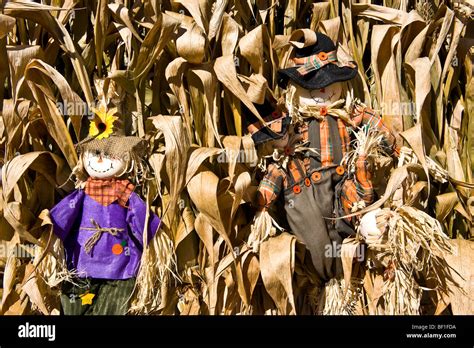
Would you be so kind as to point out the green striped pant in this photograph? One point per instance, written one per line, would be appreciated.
(97, 296)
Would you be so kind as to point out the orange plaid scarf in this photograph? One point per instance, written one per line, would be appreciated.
(107, 191)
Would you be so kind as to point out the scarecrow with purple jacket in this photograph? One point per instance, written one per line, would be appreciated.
(303, 150)
(102, 222)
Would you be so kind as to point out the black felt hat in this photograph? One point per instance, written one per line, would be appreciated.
(324, 53)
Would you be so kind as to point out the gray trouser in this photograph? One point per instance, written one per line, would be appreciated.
(306, 209)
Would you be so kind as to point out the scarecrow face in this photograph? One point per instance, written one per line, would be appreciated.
(100, 166)
(318, 97)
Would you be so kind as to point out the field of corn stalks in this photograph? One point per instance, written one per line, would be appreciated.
(179, 72)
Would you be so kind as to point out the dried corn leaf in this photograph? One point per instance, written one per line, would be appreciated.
(277, 260)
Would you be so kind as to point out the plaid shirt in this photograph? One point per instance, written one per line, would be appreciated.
(358, 189)
(276, 178)
(107, 191)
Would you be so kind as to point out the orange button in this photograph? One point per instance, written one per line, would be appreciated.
(322, 55)
(323, 111)
(117, 249)
(340, 170)
(316, 176)
(296, 189)
(307, 182)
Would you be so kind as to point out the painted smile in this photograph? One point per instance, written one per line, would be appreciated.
(322, 99)
(101, 171)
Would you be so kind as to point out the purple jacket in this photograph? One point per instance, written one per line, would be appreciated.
(112, 257)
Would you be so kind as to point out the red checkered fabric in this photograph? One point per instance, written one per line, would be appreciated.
(107, 191)
(276, 179)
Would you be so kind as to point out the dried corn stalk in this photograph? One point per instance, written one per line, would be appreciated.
(178, 72)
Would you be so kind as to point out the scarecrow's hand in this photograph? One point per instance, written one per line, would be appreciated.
(369, 229)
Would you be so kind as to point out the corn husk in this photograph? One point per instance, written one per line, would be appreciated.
(178, 73)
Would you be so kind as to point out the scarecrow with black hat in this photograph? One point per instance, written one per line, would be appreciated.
(102, 222)
(304, 157)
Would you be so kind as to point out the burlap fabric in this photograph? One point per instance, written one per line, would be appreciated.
(114, 146)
